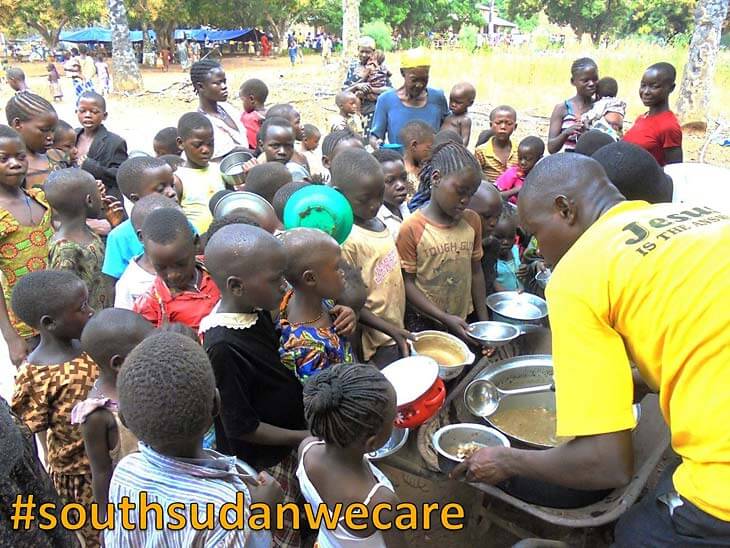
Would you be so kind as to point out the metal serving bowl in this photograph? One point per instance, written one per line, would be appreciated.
(250, 204)
(232, 168)
(448, 351)
(493, 334)
(398, 439)
(447, 439)
(520, 309)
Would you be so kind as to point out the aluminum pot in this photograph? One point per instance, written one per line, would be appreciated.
(443, 347)
(397, 439)
(525, 310)
(232, 168)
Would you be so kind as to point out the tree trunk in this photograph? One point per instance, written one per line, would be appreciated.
(350, 28)
(49, 35)
(694, 92)
(127, 77)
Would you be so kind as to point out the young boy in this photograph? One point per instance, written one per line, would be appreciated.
(394, 209)
(498, 154)
(56, 376)
(165, 142)
(137, 177)
(349, 115)
(417, 138)
(253, 94)
(183, 291)
(16, 79)
(487, 203)
(168, 399)
(199, 177)
(309, 148)
(508, 262)
(266, 179)
(658, 130)
(100, 151)
(261, 417)
(370, 247)
(277, 138)
(460, 99)
(440, 247)
(74, 197)
(139, 274)
(529, 152)
(312, 338)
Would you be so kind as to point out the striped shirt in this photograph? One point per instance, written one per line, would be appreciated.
(165, 480)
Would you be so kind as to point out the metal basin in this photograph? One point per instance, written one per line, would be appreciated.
(521, 309)
(398, 439)
(250, 204)
(494, 334)
(232, 168)
(448, 351)
(446, 442)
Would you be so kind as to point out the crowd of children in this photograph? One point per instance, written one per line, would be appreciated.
(229, 322)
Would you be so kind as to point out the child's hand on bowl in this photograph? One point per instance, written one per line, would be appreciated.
(457, 326)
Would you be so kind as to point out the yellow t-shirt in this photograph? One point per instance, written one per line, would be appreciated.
(492, 166)
(441, 258)
(198, 186)
(649, 283)
(375, 254)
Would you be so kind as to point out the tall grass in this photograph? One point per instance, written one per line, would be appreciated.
(533, 81)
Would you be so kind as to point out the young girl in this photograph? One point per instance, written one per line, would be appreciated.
(508, 261)
(25, 229)
(351, 410)
(54, 82)
(108, 337)
(35, 119)
(565, 124)
(313, 328)
(57, 376)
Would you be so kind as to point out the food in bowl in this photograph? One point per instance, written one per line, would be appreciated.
(456, 442)
(536, 424)
(441, 349)
(466, 450)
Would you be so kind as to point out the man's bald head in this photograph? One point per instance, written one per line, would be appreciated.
(562, 196)
(305, 249)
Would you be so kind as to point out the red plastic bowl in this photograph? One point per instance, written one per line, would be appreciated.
(415, 413)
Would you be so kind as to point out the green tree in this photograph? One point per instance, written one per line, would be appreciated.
(419, 16)
(661, 18)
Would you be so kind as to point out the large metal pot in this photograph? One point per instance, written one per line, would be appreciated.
(525, 310)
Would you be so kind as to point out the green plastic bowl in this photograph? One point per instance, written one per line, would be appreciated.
(322, 207)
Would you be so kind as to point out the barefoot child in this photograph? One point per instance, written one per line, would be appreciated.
(56, 377)
(75, 197)
(262, 416)
(658, 130)
(460, 99)
(440, 247)
(509, 254)
(314, 329)
(35, 119)
(137, 177)
(529, 152)
(25, 228)
(199, 177)
(370, 248)
(309, 148)
(183, 291)
(139, 275)
(107, 338)
(498, 154)
(417, 138)
(394, 209)
(351, 411)
(253, 94)
(100, 151)
(168, 399)
(349, 113)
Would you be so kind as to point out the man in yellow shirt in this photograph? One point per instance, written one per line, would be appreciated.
(640, 283)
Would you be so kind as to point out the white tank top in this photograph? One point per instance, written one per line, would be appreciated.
(340, 537)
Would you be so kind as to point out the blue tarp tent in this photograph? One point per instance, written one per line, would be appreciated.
(201, 35)
(99, 34)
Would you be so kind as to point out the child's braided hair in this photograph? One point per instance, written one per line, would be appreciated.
(450, 157)
(25, 106)
(200, 69)
(346, 403)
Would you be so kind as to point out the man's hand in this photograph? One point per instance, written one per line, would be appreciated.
(345, 320)
(485, 466)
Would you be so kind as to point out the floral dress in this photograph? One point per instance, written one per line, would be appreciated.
(23, 249)
(307, 350)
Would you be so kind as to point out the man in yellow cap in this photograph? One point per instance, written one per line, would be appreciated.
(414, 100)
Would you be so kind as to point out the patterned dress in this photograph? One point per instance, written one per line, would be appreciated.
(307, 350)
(23, 249)
(85, 261)
(44, 397)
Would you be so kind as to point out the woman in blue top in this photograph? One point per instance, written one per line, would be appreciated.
(412, 101)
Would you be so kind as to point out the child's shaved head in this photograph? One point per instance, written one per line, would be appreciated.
(464, 90)
(343, 97)
(305, 248)
(503, 109)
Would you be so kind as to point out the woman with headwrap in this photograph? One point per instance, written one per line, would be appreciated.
(414, 100)
(367, 78)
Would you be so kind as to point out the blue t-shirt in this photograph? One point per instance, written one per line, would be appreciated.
(122, 245)
(391, 114)
(507, 271)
